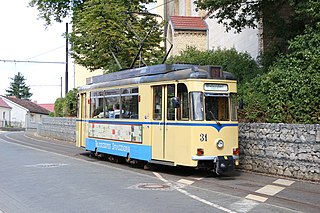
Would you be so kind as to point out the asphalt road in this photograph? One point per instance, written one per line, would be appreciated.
(44, 175)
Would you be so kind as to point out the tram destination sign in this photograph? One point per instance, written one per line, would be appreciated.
(216, 87)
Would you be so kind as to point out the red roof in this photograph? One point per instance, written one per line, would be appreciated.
(49, 107)
(4, 104)
(188, 23)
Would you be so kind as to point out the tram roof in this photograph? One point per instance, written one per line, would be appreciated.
(155, 73)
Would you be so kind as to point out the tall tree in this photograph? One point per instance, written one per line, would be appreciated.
(19, 88)
(104, 34)
(282, 20)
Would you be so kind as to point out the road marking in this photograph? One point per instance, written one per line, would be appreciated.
(270, 190)
(256, 198)
(283, 182)
(186, 182)
(245, 205)
(194, 196)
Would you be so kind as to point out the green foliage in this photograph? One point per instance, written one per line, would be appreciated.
(66, 107)
(19, 88)
(240, 64)
(282, 20)
(290, 92)
(55, 10)
(103, 31)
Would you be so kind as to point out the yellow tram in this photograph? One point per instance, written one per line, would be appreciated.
(171, 114)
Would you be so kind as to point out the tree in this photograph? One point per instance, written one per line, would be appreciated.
(104, 34)
(18, 87)
(282, 20)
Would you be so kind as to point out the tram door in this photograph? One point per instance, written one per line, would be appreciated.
(162, 113)
(82, 117)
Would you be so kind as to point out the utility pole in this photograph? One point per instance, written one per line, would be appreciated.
(66, 80)
(61, 87)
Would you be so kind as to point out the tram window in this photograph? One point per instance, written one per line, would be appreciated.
(113, 106)
(97, 104)
(130, 103)
(170, 108)
(197, 106)
(183, 111)
(234, 105)
(157, 102)
(217, 108)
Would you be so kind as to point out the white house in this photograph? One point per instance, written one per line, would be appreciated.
(5, 113)
(24, 113)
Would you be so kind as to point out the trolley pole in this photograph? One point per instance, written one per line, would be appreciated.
(66, 77)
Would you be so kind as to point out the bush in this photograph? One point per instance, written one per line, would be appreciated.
(290, 92)
(66, 107)
(242, 65)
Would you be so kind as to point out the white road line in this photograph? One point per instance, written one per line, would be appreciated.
(186, 182)
(283, 182)
(194, 196)
(256, 198)
(270, 190)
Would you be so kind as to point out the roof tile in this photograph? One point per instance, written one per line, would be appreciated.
(4, 104)
(32, 107)
(188, 23)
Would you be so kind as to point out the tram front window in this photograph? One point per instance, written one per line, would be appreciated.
(217, 107)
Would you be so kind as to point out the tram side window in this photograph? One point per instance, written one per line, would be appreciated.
(129, 103)
(170, 108)
(112, 106)
(196, 99)
(97, 105)
(157, 102)
(217, 108)
(183, 110)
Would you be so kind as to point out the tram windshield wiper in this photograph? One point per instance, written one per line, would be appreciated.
(214, 118)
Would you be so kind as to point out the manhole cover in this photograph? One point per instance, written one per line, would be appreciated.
(152, 186)
(47, 165)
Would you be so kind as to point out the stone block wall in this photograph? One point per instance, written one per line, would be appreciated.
(291, 150)
(58, 128)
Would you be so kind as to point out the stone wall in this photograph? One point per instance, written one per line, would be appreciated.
(58, 128)
(290, 150)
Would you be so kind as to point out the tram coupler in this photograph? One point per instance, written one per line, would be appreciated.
(224, 164)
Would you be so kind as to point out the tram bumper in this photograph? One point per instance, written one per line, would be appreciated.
(224, 164)
(218, 164)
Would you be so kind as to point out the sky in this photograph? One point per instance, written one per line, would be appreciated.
(23, 37)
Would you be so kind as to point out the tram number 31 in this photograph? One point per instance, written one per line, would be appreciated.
(203, 137)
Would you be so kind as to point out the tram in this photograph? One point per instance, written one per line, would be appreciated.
(170, 114)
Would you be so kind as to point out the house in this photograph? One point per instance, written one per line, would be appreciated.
(5, 113)
(249, 40)
(24, 113)
(186, 31)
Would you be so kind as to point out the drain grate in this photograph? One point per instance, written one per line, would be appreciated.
(47, 165)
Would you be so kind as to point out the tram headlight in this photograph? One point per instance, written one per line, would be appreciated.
(220, 144)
